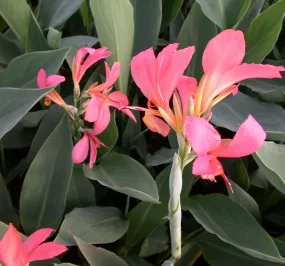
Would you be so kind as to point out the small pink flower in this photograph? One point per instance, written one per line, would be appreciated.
(81, 149)
(208, 145)
(14, 252)
(85, 58)
(97, 110)
(53, 80)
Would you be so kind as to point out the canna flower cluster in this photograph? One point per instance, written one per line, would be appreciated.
(161, 79)
(92, 106)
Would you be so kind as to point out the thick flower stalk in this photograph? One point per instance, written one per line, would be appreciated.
(15, 252)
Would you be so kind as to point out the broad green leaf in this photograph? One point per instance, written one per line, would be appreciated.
(162, 156)
(81, 192)
(147, 17)
(197, 30)
(175, 26)
(232, 112)
(224, 13)
(134, 260)
(170, 9)
(22, 71)
(125, 175)
(115, 27)
(270, 160)
(53, 13)
(271, 90)
(156, 242)
(93, 225)
(263, 33)
(47, 180)
(54, 38)
(15, 103)
(233, 224)
(9, 49)
(99, 256)
(238, 173)
(219, 253)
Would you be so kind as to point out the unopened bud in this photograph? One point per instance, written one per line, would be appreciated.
(76, 91)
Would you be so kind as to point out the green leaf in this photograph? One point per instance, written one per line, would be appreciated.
(47, 180)
(190, 253)
(81, 192)
(125, 175)
(134, 260)
(93, 225)
(65, 264)
(170, 9)
(116, 31)
(232, 112)
(99, 256)
(270, 160)
(197, 30)
(156, 242)
(239, 175)
(27, 67)
(224, 13)
(109, 137)
(53, 13)
(233, 224)
(162, 156)
(175, 26)
(54, 38)
(15, 103)
(9, 49)
(263, 33)
(147, 17)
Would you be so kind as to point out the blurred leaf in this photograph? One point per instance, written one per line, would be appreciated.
(190, 253)
(9, 49)
(175, 26)
(93, 225)
(99, 256)
(87, 16)
(239, 175)
(54, 38)
(263, 33)
(225, 13)
(147, 16)
(252, 12)
(53, 13)
(197, 30)
(46, 183)
(115, 27)
(233, 224)
(65, 264)
(134, 260)
(109, 137)
(257, 179)
(162, 156)
(81, 192)
(15, 103)
(27, 67)
(125, 175)
(271, 90)
(170, 9)
(241, 197)
(270, 160)
(76, 42)
(156, 242)
(232, 112)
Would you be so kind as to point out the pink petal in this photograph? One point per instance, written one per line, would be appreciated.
(93, 154)
(118, 99)
(80, 150)
(143, 69)
(103, 120)
(156, 125)
(202, 136)
(93, 108)
(248, 139)
(36, 239)
(129, 114)
(169, 78)
(81, 54)
(46, 251)
(11, 248)
(111, 76)
(41, 79)
(205, 165)
(165, 56)
(54, 80)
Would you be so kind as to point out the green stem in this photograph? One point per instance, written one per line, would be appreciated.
(127, 207)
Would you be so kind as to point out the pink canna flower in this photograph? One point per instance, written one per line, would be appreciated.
(53, 80)
(157, 79)
(97, 110)
(14, 252)
(223, 70)
(208, 145)
(85, 58)
(81, 149)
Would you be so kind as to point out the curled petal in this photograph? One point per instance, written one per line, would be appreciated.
(156, 125)
(248, 139)
(103, 120)
(93, 108)
(41, 78)
(80, 150)
(202, 136)
(93, 154)
(53, 80)
(206, 165)
(118, 99)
